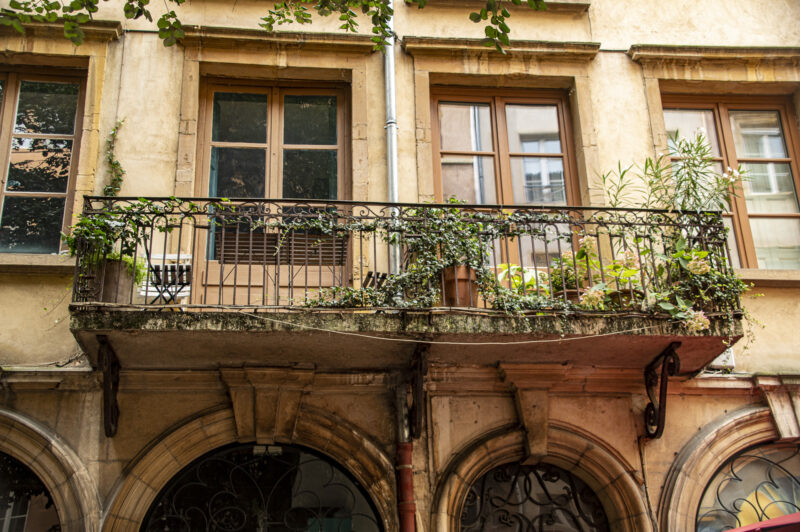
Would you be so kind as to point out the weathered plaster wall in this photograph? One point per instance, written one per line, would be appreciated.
(775, 337)
(149, 102)
(712, 23)
(35, 327)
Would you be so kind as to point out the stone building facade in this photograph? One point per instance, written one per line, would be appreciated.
(111, 406)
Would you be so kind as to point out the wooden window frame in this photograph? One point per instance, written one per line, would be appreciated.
(274, 145)
(12, 78)
(720, 106)
(497, 99)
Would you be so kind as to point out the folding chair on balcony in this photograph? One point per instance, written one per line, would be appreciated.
(168, 279)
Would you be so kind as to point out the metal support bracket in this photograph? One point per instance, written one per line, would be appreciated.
(656, 411)
(419, 369)
(109, 365)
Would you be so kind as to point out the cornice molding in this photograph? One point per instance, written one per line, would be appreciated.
(96, 30)
(555, 6)
(575, 51)
(658, 53)
(202, 36)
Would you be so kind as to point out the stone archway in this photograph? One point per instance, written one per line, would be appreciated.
(57, 466)
(702, 456)
(569, 448)
(321, 431)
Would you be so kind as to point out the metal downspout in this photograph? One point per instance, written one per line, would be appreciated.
(406, 506)
(390, 86)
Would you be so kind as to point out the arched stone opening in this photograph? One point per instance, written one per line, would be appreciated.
(320, 431)
(246, 486)
(568, 448)
(59, 468)
(702, 456)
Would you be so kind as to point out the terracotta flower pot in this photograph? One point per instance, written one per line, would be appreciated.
(459, 287)
(571, 295)
(117, 283)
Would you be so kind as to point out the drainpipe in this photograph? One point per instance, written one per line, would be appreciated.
(390, 87)
(406, 507)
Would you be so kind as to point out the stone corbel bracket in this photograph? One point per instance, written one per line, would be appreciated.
(531, 388)
(266, 401)
(783, 396)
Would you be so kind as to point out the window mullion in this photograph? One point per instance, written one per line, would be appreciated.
(274, 184)
(502, 161)
(7, 111)
(741, 225)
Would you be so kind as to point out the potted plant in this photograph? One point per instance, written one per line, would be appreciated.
(106, 242)
(446, 250)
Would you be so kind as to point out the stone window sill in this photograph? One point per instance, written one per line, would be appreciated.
(36, 264)
(771, 278)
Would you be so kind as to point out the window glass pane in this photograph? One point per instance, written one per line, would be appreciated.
(47, 107)
(687, 122)
(31, 225)
(538, 180)
(753, 486)
(239, 117)
(237, 172)
(777, 242)
(533, 129)
(309, 120)
(39, 165)
(469, 179)
(757, 134)
(465, 127)
(769, 188)
(310, 174)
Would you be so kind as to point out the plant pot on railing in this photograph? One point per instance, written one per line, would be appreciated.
(571, 294)
(459, 287)
(118, 282)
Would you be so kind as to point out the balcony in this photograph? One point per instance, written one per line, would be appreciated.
(205, 283)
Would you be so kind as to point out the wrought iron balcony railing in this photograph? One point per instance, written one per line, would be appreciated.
(215, 253)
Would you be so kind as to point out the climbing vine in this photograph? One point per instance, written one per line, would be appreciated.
(115, 170)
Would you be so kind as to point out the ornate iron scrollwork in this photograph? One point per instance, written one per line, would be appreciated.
(656, 410)
(753, 486)
(249, 488)
(109, 365)
(521, 498)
